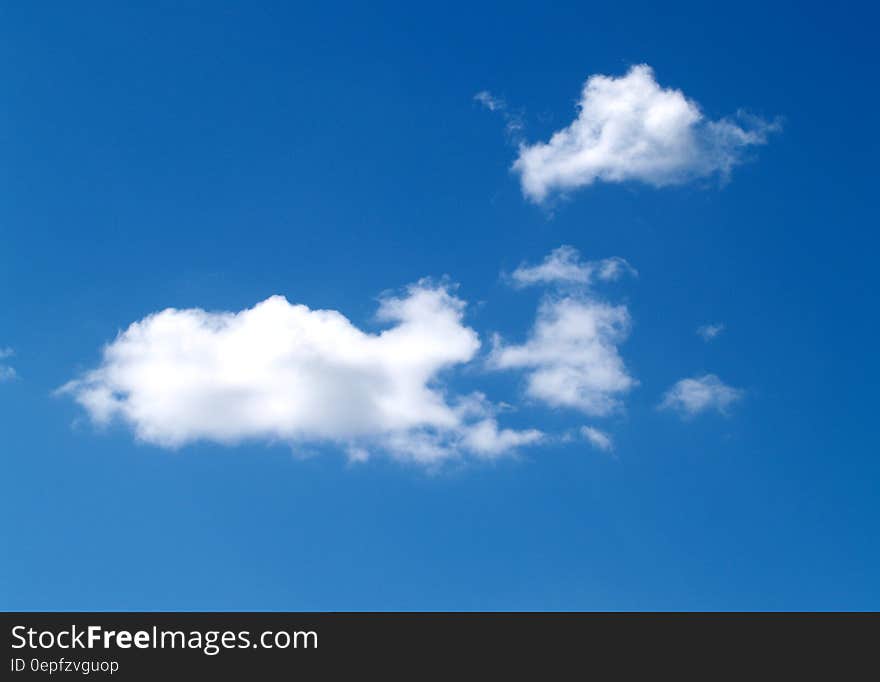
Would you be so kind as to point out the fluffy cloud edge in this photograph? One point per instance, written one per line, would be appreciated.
(571, 357)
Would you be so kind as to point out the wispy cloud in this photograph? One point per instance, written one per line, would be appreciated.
(598, 439)
(7, 371)
(490, 101)
(708, 332)
(513, 122)
(631, 128)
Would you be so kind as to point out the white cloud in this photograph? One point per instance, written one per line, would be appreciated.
(630, 128)
(571, 356)
(598, 439)
(707, 332)
(486, 439)
(284, 372)
(7, 372)
(564, 266)
(689, 397)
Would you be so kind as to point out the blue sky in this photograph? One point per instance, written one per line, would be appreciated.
(209, 157)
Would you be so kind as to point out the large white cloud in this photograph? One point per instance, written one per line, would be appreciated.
(630, 128)
(571, 357)
(690, 397)
(284, 372)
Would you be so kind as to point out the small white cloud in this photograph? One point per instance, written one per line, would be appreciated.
(486, 439)
(707, 332)
(571, 357)
(564, 266)
(285, 372)
(598, 439)
(690, 397)
(7, 372)
(630, 128)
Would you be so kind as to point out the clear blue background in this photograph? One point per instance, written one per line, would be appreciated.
(179, 154)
